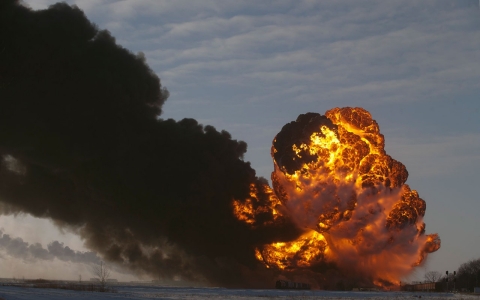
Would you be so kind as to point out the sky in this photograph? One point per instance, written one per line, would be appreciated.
(250, 67)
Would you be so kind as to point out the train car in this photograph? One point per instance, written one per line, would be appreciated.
(290, 285)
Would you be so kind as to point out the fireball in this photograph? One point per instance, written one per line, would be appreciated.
(333, 179)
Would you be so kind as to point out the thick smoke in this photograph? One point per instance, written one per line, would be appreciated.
(81, 143)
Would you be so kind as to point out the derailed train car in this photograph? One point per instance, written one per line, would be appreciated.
(290, 285)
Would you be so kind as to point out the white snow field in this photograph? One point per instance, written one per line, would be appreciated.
(127, 292)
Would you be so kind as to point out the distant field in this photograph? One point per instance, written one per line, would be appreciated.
(131, 292)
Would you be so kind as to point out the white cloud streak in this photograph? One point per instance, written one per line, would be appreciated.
(339, 49)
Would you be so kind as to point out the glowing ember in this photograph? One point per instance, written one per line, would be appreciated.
(333, 179)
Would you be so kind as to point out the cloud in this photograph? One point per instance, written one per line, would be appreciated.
(373, 51)
(453, 154)
(18, 248)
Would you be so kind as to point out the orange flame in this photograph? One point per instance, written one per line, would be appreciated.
(250, 210)
(333, 178)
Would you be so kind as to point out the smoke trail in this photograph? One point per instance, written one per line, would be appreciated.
(81, 143)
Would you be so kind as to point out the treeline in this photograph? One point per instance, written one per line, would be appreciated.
(468, 275)
(62, 285)
(464, 279)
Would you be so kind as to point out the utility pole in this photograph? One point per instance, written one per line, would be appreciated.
(454, 279)
(476, 280)
(446, 279)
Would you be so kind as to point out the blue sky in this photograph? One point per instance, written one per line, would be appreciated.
(249, 67)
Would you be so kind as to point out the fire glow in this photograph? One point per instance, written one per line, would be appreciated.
(333, 179)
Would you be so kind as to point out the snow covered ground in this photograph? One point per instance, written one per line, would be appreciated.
(127, 292)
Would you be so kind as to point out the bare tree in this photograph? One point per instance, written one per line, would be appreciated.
(433, 276)
(101, 272)
(468, 275)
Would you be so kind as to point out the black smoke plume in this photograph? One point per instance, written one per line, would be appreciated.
(81, 143)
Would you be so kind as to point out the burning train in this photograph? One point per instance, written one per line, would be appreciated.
(290, 285)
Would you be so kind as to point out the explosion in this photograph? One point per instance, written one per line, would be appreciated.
(334, 180)
(175, 199)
